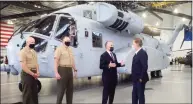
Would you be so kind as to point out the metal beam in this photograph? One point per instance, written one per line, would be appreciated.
(28, 14)
(24, 5)
(156, 15)
(171, 13)
(3, 5)
(165, 12)
(34, 13)
(38, 3)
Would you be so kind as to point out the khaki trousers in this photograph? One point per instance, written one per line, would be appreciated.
(65, 84)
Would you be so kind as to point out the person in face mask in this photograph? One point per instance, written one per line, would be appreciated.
(109, 64)
(64, 66)
(30, 72)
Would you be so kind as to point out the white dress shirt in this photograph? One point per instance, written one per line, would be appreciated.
(137, 51)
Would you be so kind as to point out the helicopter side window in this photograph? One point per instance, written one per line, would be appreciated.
(67, 27)
(42, 26)
(97, 40)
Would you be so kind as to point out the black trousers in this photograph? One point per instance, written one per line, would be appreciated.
(30, 91)
(138, 93)
(65, 84)
(109, 86)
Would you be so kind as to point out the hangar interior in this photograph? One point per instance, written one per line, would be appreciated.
(162, 17)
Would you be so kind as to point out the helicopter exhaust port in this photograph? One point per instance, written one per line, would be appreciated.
(119, 20)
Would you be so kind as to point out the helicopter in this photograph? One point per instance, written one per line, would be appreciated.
(89, 27)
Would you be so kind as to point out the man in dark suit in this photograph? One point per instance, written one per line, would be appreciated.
(139, 72)
(109, 64)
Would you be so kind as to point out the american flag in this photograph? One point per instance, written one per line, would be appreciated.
(6, 31)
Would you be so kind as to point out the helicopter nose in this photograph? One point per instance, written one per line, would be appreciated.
(13, 57)
(13, 52)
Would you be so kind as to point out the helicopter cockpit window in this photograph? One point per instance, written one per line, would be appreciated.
(42, 26)
(97, 40)
(67, 27)
(40, 44)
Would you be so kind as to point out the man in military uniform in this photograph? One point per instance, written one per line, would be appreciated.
(64, 63)
(30, 72)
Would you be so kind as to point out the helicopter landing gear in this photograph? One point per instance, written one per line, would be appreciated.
(8, 73)
(153, 74)
(156, 74)
(89, 78)
(39, 86)
(159, 73)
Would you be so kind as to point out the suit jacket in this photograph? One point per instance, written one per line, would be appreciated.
(104, 65)
(140, 66)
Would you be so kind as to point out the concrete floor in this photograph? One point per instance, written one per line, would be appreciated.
(173, 87)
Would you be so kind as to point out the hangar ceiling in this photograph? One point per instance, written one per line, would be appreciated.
(14, 7)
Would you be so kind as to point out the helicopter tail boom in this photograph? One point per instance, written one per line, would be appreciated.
(175, 34)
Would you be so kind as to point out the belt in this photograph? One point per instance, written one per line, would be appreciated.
(32, 68)
(65, 65)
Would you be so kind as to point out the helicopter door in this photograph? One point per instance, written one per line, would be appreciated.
(83, 52)
(96, 50)
(41, 49)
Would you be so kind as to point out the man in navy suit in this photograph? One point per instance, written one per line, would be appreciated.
(139, 72)
(109, 64)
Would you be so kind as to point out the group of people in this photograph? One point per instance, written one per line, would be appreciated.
(175, 60)
(64, 65)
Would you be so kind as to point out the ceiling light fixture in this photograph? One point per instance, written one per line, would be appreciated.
(183, 19)
(144, 15)
(9, 22)
(175, 10)
(91, 2)
(157, 24)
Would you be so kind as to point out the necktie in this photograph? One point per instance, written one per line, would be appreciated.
(112, 56)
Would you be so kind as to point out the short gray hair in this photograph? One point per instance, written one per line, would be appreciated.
(138, 41)
(107, 43)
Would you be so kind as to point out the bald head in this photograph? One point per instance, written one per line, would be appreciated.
(66, 39)
(29, 41)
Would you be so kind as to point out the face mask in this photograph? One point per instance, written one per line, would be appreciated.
(111, 49)
(67, 43)
(32, 46)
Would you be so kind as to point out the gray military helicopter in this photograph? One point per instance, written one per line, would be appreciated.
(89, 26)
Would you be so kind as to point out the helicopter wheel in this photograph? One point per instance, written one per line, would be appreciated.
(8, 73)
(39, 86)
(89, 78)
(158, 73)
(152, 74)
